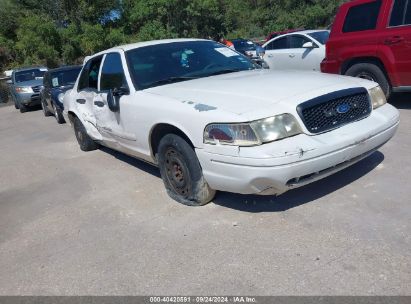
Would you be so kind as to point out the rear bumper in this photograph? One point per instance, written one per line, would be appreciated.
(330, 66)
(280, 166)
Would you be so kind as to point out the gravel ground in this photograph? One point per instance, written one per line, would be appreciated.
(100, 223)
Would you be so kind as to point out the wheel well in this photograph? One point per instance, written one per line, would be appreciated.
(71, 116)
(349, 63)
(161, 130)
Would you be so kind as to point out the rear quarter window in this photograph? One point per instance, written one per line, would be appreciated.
(362, 17)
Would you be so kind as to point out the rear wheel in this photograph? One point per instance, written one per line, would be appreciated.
(371, 72)
(84, 140)
(181, 172)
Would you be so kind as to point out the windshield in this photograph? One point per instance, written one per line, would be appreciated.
(321, 37)
(28, 75)
(64, 77)
(179, 61)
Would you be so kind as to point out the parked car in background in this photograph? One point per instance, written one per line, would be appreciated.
(279, 33)
(250, 49)
(214, 121)
(55, 83)
(25, 86)
(372, 40)
(298, 50)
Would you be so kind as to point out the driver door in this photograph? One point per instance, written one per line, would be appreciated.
(108, 121)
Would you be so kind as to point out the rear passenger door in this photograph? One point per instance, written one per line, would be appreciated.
(86, 92)
(397, 37)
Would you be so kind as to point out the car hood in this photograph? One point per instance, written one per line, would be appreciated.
(30, 83)
(258, 90)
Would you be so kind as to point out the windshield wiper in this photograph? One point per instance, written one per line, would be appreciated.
(170, 80)
(225, 71)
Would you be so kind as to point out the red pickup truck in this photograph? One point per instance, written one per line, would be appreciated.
(372, 39)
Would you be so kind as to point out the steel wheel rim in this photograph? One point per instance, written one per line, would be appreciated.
(176, 171)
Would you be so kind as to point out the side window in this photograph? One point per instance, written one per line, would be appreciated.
(112, 73)
(362, 17)
(401, 13)
(278, 44)
(297, 42)
(89, 75)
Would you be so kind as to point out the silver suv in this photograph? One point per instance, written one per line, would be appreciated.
(25, 86)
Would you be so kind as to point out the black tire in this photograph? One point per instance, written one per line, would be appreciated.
(58, 115)
(181, 172)
(46, 112)
(16, 105)
(371, 72)
(23, 108)
(84, 140)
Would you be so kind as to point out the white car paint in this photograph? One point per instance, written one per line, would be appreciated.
(295, 58)
(237, 97)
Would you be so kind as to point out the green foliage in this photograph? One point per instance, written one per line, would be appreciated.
(57, 32)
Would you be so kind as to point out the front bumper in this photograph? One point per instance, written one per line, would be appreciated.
(277, 167)
(29, 99)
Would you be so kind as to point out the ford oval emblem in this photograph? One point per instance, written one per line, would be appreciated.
(343, 108)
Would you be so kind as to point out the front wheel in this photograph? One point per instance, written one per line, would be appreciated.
(371, 72)
(23, 108)
(181, 172)
(58, 115)
(84, 140)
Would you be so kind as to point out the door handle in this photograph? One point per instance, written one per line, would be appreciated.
(291, 55)
(99, 103)
(270, 55)
(81, 101)
(393, 40)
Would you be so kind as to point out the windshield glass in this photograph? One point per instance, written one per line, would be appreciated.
(321, 37)
(64, 77)
(179, 61)
(28, 75)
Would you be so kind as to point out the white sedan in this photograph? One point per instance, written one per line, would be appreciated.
(302, 50)
(212, 120)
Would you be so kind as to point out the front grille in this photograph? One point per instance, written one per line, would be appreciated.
(334, 110)
(36, 89)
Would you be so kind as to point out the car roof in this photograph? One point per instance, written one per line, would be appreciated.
(307, 32)
(29, 68)
(65, 68)
(127, 47)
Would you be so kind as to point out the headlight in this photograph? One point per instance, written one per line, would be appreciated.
(377, 97)
(24, 90)
(60, 97)
(253, 133)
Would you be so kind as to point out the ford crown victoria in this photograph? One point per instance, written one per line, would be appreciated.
(212, 120)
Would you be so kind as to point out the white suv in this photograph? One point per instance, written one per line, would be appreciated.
(212, 120)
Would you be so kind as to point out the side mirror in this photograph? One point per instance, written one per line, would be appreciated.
(113, 98)
(9, 81)
(309, 45)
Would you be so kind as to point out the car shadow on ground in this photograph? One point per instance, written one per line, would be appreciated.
(401, 101)
(303, 195)
(289, 200)
(139, 164)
